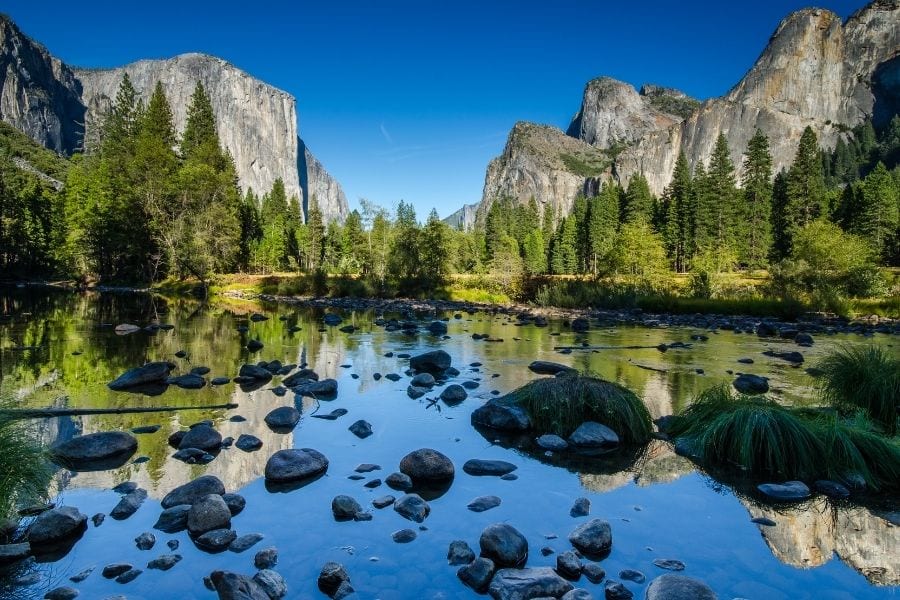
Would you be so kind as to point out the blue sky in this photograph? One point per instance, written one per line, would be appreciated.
(410, 100)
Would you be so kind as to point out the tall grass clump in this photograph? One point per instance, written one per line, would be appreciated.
(24, 469)
(855, 446)
(560, 404)
(863, 378)
(756, 434)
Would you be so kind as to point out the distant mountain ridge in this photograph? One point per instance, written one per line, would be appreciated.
(61, 106)
(815, 71)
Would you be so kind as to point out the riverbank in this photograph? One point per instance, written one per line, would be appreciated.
(813, 323)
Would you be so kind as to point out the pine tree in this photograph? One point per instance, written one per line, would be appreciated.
(638, 203)
(875, 217)
(780, 238)
(564, 254)
(434, 253)
(315, 234)
(703, 212)
(805, 186)
(723, 195)
(200, 139)
(535, 256)
(757, 209)
(354, 243)
(678, 232)
(603, 221)
(403, 262)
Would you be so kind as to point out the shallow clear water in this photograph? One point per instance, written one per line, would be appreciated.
(659, 507)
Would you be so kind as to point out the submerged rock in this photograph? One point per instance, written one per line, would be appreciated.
(412, 507)
(283, 418)
(790, 491)
(56, 525)
(501, 416)
(746, 383)
(479, 467)
(427, 465)
(100, 451)
(233, 586)
(193, 491)
(593, 538)
(295, 465)
(435, 362)
(454, 394)
(460, 553)
(331, 578)
(543, 367)
(216, 540)
(361, 429)
(477, 574)
(272, 583)
(203, 437)
(154, 372)
(504, 545)
(483, 503)
(679, 587)
(519, 584)
(593, 435)
(129, 504)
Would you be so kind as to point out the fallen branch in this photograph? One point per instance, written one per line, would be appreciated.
(40, 413)
(605, 347)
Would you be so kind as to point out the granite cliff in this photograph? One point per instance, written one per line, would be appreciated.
(815, 71)
(60, 107)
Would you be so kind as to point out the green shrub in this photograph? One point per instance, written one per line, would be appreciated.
(756, 434)
(560, 404)
(866, 378)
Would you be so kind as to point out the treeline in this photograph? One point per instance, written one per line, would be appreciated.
(143, 203)
(705, 222)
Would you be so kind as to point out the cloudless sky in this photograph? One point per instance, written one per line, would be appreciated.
(404, 99)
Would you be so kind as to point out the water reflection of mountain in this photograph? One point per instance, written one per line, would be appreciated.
(658, 464)
(809, 536)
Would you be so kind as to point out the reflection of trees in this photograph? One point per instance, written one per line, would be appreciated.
(809, 535)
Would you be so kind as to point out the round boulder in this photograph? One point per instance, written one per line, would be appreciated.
(208, 513)
(56, 524)
(426, 464)
(504, 545)
(295, 465)
(593, 538)
(283, 417)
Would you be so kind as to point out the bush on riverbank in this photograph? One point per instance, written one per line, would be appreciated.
(560, 404)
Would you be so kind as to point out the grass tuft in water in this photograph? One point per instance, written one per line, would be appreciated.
(865, 378)
(24, 469)
(560, 404)
(756, 434)
(856, 446)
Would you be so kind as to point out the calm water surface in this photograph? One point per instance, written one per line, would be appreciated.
(59, 349)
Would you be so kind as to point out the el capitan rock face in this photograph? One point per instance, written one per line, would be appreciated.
(62, 108)
(815, 71)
